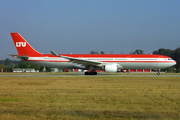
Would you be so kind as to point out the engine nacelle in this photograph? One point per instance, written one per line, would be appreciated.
(112, 68)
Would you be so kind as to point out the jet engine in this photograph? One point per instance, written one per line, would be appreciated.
(111, 68)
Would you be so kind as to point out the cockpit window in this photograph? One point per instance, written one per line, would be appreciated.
(169, 58)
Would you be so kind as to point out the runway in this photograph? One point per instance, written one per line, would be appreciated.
(82, 75)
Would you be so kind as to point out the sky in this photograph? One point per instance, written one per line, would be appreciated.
(82, 26)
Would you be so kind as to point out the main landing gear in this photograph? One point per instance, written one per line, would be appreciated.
(91, 73)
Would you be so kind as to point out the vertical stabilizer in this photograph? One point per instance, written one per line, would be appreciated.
(22, 46)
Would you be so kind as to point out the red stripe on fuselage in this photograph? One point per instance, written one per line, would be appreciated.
(109, 61)
(106, 56)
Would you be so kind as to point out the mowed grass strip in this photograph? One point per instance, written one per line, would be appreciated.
(89, 98)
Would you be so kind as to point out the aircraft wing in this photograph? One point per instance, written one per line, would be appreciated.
(24, 57)
(79, 61)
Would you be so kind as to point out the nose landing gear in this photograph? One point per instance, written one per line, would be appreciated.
(158, 72)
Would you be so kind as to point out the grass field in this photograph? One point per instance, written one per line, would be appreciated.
(82, 98)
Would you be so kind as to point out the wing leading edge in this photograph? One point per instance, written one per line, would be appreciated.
(80, 61)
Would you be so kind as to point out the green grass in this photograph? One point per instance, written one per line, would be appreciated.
(9, 100)
(87, 98)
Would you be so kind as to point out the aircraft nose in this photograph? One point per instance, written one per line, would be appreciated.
(174, 62)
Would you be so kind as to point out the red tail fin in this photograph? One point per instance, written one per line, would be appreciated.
(22, 46)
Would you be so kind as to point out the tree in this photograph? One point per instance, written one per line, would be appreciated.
(94, 52)
(9, 69)
(1, 68)
(16, 66)
(36, 67)
(137, 51)
(24, 65)
(162, 51)
(102, 52)
(7, 61)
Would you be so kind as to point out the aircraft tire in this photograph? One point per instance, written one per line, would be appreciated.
(91, 73)
(86, 73)
(158, 73)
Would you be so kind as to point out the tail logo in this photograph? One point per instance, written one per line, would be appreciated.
(20, 44)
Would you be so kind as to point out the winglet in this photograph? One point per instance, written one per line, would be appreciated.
(55, 54)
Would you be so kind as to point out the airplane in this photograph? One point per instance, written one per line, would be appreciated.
(108, 62)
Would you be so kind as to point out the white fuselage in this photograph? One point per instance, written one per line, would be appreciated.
(126, 63)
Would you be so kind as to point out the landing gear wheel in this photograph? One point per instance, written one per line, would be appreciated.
(158, 73)
(90, 73)
(86, 73)
(95, 73)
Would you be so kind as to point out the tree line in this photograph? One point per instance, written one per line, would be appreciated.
(8, 65)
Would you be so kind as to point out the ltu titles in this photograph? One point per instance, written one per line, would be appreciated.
(20, 44)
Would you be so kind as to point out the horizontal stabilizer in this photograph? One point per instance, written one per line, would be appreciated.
(24, 57)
